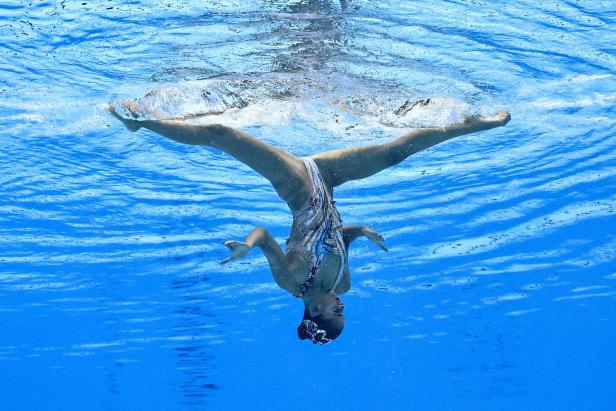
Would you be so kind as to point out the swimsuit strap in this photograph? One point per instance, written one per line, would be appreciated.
(305, 286)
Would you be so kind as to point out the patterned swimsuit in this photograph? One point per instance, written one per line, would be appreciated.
(320, 225)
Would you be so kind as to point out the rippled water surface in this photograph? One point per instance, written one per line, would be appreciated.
(499, 290)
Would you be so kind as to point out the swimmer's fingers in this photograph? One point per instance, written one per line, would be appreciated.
(131, 125)
(225, 261)
(382, 247)
(375, 237)
(372, 234)
(238, 250)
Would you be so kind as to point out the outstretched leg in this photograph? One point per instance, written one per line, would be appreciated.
(340, 166)
(286, 172)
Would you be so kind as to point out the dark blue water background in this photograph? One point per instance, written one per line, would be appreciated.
(499, 291)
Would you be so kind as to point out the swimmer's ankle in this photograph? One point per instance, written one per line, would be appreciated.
(131, 125)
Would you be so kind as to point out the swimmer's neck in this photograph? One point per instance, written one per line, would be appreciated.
(315, 291)
(320, 287)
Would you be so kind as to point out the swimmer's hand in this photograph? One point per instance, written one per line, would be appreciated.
(238, 250)
(131, 125)
(375, 237)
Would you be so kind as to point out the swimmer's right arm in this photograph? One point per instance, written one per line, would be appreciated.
(351, 232)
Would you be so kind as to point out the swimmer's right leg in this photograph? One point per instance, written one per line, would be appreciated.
(285, 172)
(355, 163)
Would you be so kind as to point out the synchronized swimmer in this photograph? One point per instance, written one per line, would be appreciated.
(314, 266)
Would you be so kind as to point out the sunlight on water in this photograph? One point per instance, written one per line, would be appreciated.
(330, 103)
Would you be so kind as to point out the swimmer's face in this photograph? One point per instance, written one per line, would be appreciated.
(326, 311)
(331, 311)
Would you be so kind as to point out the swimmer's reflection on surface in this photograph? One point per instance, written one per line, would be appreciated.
(314, 266)
(315, 32)
(311, 6)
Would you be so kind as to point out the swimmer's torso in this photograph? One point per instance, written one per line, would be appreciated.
(316, 247)
(299, 266)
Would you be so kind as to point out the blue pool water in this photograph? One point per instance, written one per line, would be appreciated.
(499, 290)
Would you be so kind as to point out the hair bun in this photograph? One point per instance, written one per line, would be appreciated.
(308, 329)
(302, 331)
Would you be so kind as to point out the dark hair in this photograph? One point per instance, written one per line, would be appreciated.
(318, 329)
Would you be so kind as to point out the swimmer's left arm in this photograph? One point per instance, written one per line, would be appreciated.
(260, 237)
(351, 232)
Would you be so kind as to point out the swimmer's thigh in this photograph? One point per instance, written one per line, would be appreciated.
(340, 166)
(285, 171)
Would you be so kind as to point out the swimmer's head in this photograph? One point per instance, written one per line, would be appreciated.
(323, 319)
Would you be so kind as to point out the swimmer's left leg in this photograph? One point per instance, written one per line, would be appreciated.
(285, 171)
(340, 166)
